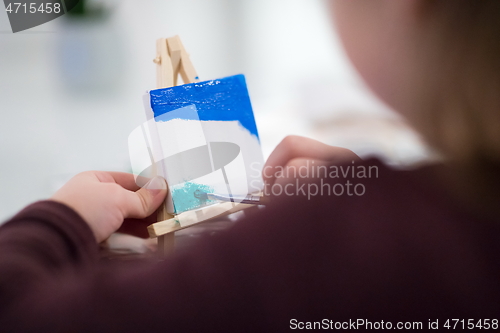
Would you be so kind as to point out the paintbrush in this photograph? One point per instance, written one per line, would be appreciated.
(249, 199)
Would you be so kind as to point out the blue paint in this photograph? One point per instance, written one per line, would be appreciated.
(184, 197)
(223, 99)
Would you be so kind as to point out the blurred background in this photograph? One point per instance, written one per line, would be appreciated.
(71, 89)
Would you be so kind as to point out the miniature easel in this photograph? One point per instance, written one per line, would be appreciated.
(172, 60)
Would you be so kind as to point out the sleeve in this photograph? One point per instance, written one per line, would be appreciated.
(210, 286)
(43, 240)
(281, 262)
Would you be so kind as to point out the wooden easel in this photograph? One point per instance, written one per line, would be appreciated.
(172, 60)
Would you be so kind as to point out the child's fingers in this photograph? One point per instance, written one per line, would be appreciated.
(145, 201)
(293, 147)
(125, 180)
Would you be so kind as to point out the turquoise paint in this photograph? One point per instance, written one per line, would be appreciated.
(184, 198)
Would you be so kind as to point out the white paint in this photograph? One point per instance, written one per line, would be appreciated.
(232, 131)
(238, 180)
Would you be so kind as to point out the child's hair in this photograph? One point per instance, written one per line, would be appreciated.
(461, 84)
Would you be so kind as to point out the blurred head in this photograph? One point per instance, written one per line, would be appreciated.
(435, 61)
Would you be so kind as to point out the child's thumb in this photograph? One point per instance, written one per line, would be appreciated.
(151, 196)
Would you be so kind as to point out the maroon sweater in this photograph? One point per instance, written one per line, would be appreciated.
(403, 251)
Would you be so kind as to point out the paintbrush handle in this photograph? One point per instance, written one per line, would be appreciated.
(249, 199)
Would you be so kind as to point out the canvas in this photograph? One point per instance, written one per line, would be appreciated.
(202, 138)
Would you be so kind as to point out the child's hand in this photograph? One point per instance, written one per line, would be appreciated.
(297, 150)
(105, 199)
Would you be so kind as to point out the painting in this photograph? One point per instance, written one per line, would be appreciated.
(202, 137)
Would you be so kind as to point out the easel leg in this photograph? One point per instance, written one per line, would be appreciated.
(166, 244)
